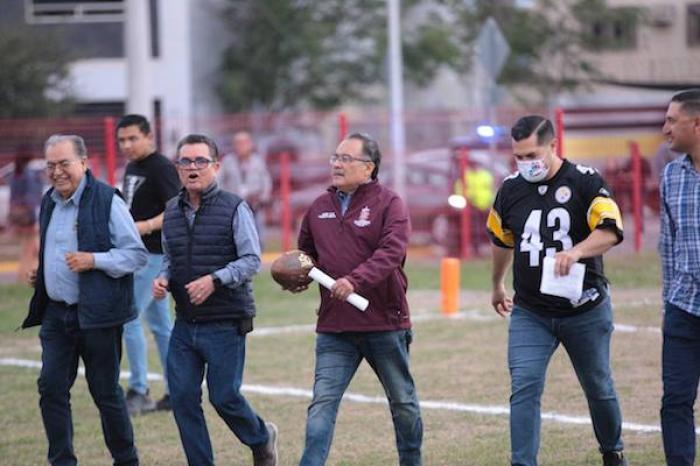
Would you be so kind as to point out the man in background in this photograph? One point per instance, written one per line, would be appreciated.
(150, 180)
(245, 173)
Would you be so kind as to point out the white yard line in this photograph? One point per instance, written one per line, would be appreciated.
(358, 398)
(475, 315)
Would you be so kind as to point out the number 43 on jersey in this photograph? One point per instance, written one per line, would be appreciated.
(531, 240)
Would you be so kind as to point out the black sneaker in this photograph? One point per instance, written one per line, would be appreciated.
(266, 455)
(614, 458)
(164, 404)
(138, 403)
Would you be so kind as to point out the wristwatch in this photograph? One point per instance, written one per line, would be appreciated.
(216, 280)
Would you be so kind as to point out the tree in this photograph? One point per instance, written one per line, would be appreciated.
(33, 74)
(550, 42)
(308, 53)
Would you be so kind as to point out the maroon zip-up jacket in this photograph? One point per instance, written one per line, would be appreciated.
(367, 246)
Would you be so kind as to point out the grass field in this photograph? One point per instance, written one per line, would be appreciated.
(460, 361)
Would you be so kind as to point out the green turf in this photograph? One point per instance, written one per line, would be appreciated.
(453, 360)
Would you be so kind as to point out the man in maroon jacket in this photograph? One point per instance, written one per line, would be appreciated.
(357, 232)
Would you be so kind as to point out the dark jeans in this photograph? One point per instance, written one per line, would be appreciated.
(532, 339)
(218, 348)
(62, 343)
(337, 358)
(681, 372)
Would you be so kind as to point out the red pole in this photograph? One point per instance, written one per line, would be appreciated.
(95, 165)
(285, 189)
(342, 126)
(466, 214)
(559, 128)
(636, 158)
(110, 149)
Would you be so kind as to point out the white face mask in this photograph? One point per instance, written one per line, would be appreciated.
(533, 170)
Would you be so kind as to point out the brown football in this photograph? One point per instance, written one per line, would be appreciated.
(291, 269)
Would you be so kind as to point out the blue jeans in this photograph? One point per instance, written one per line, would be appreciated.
(217, 348)
(532, 340)
(158, 317)
(337, 358)
(681, 372)
(62, 344)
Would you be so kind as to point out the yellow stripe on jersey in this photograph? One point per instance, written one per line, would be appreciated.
(494, 225)
(603, 208)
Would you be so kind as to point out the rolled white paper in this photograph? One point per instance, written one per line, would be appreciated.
(326, 281)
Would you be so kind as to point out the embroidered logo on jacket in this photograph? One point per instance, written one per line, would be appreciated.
(363, 219)
(326, 215)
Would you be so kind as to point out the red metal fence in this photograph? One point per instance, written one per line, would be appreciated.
(297, 145)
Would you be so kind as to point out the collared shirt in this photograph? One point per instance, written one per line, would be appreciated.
(245, 236)
(679, 244)
(344, 199)
(127, 255)
(248, 178)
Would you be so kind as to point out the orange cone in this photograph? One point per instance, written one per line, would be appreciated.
(449, 285)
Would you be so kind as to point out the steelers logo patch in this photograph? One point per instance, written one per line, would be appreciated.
(563, 194)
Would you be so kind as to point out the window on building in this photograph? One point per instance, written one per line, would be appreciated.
(71, 11)
(693, 26)
(616, 30)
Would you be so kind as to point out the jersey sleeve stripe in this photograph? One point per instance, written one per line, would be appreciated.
(493, 224)
(602, 209)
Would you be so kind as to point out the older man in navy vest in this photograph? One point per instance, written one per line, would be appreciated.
(212, 251)
(83, 294)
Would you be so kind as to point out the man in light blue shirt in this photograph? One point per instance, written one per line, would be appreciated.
(83, 295)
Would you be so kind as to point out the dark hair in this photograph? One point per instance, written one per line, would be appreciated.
(689, 100)
(135, 120)
(527, 125)
(370, 149)
(200, 139)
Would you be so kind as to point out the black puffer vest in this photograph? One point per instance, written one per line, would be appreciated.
(103, 301)
(201, 249)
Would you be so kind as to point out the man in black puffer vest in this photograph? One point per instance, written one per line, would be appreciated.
(83, 294)
(211, 252)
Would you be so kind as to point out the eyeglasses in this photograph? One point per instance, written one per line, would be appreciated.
(63, 165)
(345, 158)
(199, 162)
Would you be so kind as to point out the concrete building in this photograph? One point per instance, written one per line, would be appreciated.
(180, 42)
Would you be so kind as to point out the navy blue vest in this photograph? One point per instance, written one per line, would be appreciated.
(103, 301)
(208, 245)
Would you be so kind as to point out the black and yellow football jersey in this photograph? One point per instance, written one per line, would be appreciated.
(540, 219)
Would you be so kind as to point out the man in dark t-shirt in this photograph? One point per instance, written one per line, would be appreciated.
(150, 180)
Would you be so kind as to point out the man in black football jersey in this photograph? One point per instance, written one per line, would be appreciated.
(552, 208)
(150, 180)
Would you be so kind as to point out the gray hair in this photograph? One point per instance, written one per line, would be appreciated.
(77, 141)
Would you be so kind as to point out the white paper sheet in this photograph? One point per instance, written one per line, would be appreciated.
(569, 286)
(325, 280)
